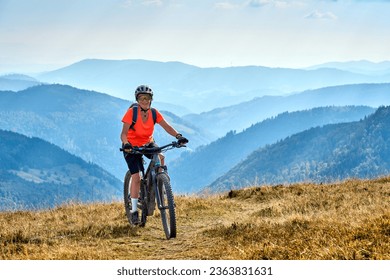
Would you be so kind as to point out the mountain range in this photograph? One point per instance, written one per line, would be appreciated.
(243, 115)
(196, 169)
(36, 174)
(85, 123)
(199, 89)
(229, 114)
(361, 67)
(16, 82)
(323, 154)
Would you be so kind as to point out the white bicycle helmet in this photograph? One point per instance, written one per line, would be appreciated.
(143, 89)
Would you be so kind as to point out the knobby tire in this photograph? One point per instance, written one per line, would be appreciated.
(168, 214)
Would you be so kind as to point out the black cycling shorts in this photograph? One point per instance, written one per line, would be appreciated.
(134, 161)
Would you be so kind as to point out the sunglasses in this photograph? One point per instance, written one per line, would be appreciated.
(144, 98)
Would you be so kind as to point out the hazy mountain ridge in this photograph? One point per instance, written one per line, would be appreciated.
(199, 89)
(85, 123)
(17, 82)
(330, 153)
(90, 126)
(201, 167)
(36, 174)
(243, 115)
(361, 67)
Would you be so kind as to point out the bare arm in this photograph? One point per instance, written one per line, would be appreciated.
(125, 129)
(168, 128)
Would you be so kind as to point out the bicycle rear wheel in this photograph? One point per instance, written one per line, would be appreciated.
(167, 207)
(127, 200)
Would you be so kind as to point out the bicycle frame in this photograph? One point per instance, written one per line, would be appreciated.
(152, 179)
(155, 164)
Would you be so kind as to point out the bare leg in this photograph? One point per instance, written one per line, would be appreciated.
(135, 185)
(162, 161)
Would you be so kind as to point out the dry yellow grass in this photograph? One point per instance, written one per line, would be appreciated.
(348, 220)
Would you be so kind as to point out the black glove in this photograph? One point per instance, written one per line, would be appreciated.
(181, 140)
(127, 146)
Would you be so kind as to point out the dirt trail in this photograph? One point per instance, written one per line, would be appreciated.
(103, 232)
(191, 242)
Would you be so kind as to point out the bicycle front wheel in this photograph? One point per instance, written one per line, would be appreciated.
(167, 207)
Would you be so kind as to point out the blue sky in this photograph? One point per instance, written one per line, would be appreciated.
(37, 35)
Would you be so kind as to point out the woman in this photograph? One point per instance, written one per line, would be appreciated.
(140, 134)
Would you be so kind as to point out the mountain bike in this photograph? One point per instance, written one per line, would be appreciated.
(155, 189)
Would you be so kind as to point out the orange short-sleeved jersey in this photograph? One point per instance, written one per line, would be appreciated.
(143, 133)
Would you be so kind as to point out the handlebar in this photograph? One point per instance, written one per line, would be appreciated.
(152, 150)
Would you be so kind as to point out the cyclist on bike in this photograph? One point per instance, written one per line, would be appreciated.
(141, 134)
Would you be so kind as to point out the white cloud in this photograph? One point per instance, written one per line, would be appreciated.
(152, 2)
(156, 3)
(248, 31)
(225, 6)
(274, 3)
(320, 15)
(126, 3)
(259, 3)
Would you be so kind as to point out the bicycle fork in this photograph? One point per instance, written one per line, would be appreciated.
(159, 195)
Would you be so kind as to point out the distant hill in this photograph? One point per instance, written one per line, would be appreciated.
(198, 89)
(362, 67)
(85, 123)
(36, 174)
(16, 82)
(201, 167)
(243, 115)
(324, 154)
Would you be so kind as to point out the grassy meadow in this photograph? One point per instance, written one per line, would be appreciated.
(341, 221)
